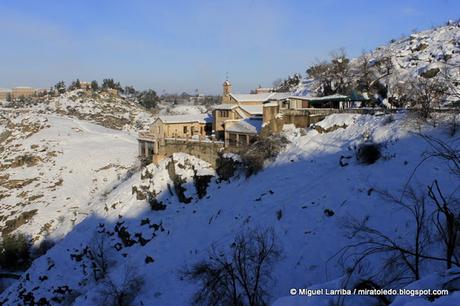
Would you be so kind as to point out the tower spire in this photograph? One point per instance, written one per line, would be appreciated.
(227, 89)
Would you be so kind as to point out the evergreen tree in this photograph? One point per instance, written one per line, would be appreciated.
(110, 83)
(60, 87)
(130, 90)
(94, 86)
(149, 99)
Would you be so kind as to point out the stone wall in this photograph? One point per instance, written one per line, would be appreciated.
(299, 118)
(205, 150)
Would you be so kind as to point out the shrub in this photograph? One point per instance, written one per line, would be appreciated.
(14, 251)
(124, 292)
(155, 204)
(240, 275)
(227, 167)
(263, 149)
(368, 153)
(201, 183)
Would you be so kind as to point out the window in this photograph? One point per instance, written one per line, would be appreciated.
(185, 129)
(242, 140)
(232, 139)
(223, 113)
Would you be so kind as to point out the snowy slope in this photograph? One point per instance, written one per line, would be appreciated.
(101, 108)
(304, 181)
(115, 112)
(54, 169)
(58, 154)
(432, 50)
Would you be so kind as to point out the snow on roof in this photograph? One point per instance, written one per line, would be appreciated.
(261, 97)
(240, 112)
(5, 90)
(270, 104)
(200, 118)
(225, 106)
(253, 109)
(247, 126)
(280, 95)
(325, 98)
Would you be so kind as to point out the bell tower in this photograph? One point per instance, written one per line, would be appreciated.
(227, 91)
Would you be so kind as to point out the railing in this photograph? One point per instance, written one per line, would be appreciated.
(146, 136)
(190, 139)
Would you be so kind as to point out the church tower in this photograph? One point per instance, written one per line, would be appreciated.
(227, 91)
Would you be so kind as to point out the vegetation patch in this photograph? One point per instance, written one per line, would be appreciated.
(263, 149)
(368, 153)
(14, 252)
(333, 128)
(201, 184)
(16, 184)
(11, 225)
(227, 167)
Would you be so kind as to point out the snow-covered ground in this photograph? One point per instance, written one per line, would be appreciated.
(304, 195)
(436, 50)
(55, 169)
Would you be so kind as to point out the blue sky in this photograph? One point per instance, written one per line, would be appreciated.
(177, 46)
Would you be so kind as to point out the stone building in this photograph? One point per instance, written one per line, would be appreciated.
(182, 127)
(332, 101)
(226, 92)
(240, 133)
(18, 92)
(238, 120)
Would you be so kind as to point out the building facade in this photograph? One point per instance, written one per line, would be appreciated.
(18, 92)
(181, 127)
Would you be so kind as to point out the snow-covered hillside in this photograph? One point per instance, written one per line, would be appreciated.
(58, 154)
(110, 111)
(54, 169)
(426, 54)
(305, 195)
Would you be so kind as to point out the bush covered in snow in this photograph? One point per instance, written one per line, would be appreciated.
(266, 148)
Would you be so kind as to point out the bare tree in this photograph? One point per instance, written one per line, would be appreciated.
(445, 151)
(445, 216)
(449, 227)
(240, 276)
(98, 256)
(333, 76)
(340, 71)
(425, 95)
(124, 292)
(408, 253)
(364, 73)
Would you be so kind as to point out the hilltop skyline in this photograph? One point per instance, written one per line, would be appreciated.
(178, 46)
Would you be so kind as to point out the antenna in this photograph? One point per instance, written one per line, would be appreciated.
(226, 75)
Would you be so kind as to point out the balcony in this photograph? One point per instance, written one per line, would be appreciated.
(146, 136)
